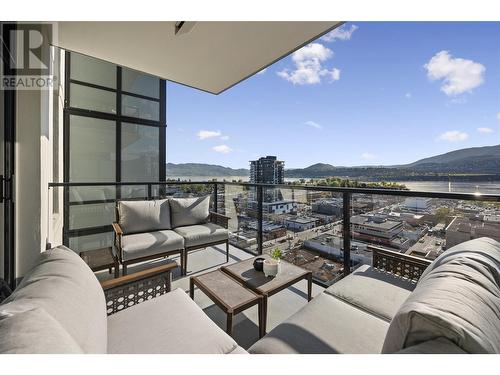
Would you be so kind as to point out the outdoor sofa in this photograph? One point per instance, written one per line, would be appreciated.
(402, 305)
(60, 307)
(151, 229)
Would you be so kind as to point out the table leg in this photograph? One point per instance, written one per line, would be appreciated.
(191, 288)
(264, 315)
(261, 319)
(309, 286)
(229, 324)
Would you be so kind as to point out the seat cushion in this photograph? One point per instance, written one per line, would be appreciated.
(358, 289)
(189, 211)
(139, 245)
(326, 325)
(66, 288)
(458, 298)
(195, 235)
(171, 323)
(144, 216)
(35, 332)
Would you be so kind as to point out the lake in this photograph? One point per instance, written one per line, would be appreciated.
(483, 187)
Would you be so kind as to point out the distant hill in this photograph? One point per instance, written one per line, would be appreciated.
(203, 170)
(467, 161)
(475, 160)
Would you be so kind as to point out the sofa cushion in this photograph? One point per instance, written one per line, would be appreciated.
(358, 289)
(144, 216)
(66, 288)
(189, 211)
(458, 298)
(135, 246)
(326, 325)
(195, 235)
(171, 323)
(34, 332)
(438, 346)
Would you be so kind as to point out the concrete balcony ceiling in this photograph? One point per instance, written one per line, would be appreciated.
(210, 56)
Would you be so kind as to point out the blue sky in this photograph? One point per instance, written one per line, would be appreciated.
(371, 93)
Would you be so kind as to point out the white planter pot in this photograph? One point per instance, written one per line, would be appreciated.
(271, 267)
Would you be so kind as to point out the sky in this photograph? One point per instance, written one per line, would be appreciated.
(369, 93)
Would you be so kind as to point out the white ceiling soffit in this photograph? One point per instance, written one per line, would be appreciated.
(210, 56)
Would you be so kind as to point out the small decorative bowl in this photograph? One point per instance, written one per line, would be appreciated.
(258, 264)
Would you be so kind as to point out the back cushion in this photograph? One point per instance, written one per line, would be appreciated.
(457, 298)
(34, 332)
(189, 211)
(65, 287)
(144, 216)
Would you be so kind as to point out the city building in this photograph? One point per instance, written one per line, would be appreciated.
(274, 207)
(462, 229)
(332, 206)
(378, 230)
(417, 204)
(332, 246)
(300, 224)
(267, 170)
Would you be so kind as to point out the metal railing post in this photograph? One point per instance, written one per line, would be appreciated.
(66, 213)
(259, 220)
(216, 198)
(346, 231)
(149, 191)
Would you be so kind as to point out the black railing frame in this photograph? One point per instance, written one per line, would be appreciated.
(347, 194)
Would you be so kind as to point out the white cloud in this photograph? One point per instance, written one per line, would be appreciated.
(340, 33)
(368, 156)
(453, 136)
(224, 137)
(262, 71)
(313, 124)
(458, 75)
(408, 95)
(498, 116)
(223, 149)
(485, 130)
(309, 69)
(207, 134)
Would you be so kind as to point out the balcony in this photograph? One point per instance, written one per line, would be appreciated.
(312, 226)
(363, 250)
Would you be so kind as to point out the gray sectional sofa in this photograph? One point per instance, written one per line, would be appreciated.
(150, 229)
(60, 307)
(454, 308)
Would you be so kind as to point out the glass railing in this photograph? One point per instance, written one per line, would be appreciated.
(327, 230)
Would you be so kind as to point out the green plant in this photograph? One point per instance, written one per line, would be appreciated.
(276, 254)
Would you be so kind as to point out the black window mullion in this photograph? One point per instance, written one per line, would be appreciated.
(162, 162)
(118, 151)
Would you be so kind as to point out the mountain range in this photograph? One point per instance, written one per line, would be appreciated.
(467, 161)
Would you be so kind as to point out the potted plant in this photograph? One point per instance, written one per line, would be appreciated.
(271, 266)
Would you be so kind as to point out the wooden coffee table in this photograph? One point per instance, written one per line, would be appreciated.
(288, 275)
(229, 295)
(101, 259)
